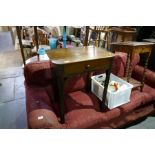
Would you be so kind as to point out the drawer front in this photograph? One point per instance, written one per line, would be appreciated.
(87, 66)
(101, 64)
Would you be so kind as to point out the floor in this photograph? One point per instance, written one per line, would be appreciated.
(148, 123)
(12, 92)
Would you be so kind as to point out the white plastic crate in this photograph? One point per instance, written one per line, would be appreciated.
(113, 99)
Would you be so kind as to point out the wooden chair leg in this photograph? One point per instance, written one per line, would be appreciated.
(20, 43)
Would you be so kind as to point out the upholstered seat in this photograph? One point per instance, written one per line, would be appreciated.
(82, 107)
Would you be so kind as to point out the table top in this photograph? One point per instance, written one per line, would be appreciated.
(79, 54)
(150, 40)
(119, 30)
(132, 43)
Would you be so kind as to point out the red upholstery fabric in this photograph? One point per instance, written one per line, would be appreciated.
(81, 109)
(75, 83)
(149, 75)
(39, 103)
(39, 73)
(128, 118)
(119, 63)
(37, 98)
(43, 118)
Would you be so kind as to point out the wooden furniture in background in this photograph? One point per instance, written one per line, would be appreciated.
(73, 61)
(131, 48)
(121, 34)
(102, 29)
(41, 37)
(98, 30)
(22, 46)
(111, 34)
(18, 29)
(36, 37)
(86, 36)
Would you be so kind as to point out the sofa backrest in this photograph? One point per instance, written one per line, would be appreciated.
(119, 63)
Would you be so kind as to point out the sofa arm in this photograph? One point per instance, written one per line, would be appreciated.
(39, 72)
(43, 119)
(40, 107)
(149, 75)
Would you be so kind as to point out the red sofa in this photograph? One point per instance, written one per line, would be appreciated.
(81, 108)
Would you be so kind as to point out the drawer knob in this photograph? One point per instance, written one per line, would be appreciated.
(87, 66)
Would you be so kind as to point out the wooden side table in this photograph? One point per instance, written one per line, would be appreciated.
(73, 61)
(131, 48)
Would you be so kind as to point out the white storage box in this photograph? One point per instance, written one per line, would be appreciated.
(113, 99)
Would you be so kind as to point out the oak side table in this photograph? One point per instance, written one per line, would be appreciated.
(131, 48)
(73, 61)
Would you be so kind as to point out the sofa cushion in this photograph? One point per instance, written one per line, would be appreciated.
(82, 109)
(137, 114)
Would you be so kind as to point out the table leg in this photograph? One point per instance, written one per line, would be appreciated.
(145, 67)
(108, 40)
(18, 29)
(88, 83)
(105, 89)
(99, 39)
(127, 64)
(129, 68)
(60, 84)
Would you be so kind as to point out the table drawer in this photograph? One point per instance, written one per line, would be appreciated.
(87, 66)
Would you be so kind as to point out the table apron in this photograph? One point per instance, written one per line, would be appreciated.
(134, 50)
(87, 66)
